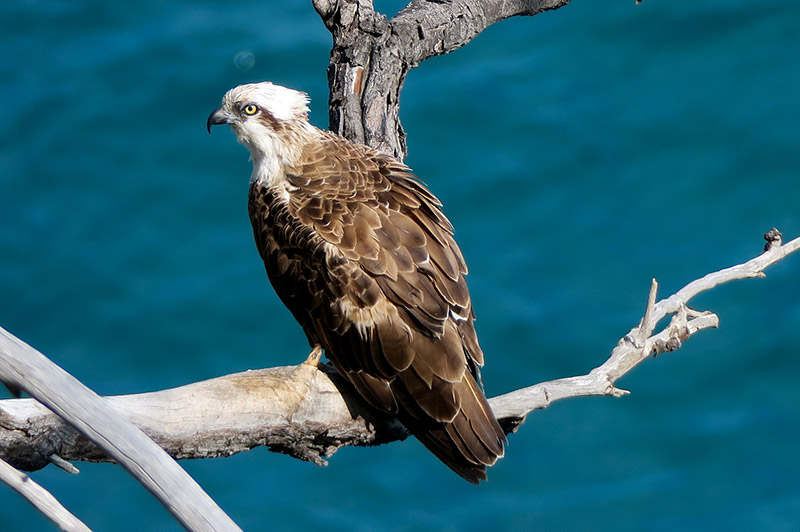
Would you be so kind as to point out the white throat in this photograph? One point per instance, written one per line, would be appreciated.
(268, 165)
(272, 153)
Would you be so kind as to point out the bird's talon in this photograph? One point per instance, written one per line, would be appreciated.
(314, 356)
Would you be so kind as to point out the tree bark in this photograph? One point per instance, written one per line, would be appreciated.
(372, 55)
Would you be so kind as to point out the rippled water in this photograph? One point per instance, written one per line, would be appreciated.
(579, 153)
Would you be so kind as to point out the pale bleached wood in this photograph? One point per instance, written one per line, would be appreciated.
(297, 410)
(41, 499)
(642, 341)
(308, 412)
(24, 368)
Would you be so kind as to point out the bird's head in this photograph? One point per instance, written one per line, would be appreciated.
(264, 117)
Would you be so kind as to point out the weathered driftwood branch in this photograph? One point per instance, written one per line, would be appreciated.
(372, 55)
(309, 413)
(24, 368)
(41, 499)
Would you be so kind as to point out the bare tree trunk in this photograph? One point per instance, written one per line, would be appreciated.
(372, 55)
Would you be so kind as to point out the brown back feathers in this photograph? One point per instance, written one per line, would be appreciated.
(362, 255)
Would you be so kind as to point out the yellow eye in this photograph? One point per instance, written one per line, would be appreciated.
(250, 109)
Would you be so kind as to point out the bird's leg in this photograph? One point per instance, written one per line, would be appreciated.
(314, 356)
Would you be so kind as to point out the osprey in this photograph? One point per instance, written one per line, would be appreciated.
(360, 252)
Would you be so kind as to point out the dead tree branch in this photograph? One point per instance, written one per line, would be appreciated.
(24, 368)
(41, 499)
(309, 412)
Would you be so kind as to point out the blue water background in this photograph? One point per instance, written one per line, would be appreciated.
(579, 153)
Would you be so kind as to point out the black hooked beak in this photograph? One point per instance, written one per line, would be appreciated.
(216, 118)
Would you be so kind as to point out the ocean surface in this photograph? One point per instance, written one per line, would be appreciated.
(579, 153)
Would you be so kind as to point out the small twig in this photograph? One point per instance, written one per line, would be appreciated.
(63, 464)
(648, 311)
(639, 334)
(41, 499)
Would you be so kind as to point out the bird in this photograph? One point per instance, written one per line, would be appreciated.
(361, 253)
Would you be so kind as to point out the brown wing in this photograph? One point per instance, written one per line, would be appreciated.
(365, 260)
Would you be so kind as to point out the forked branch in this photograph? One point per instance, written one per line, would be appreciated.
(372, 55)
(643, 341)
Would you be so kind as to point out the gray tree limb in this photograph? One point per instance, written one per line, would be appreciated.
(309, 412)
(24, 368)
(372, 55)
(41, 499)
